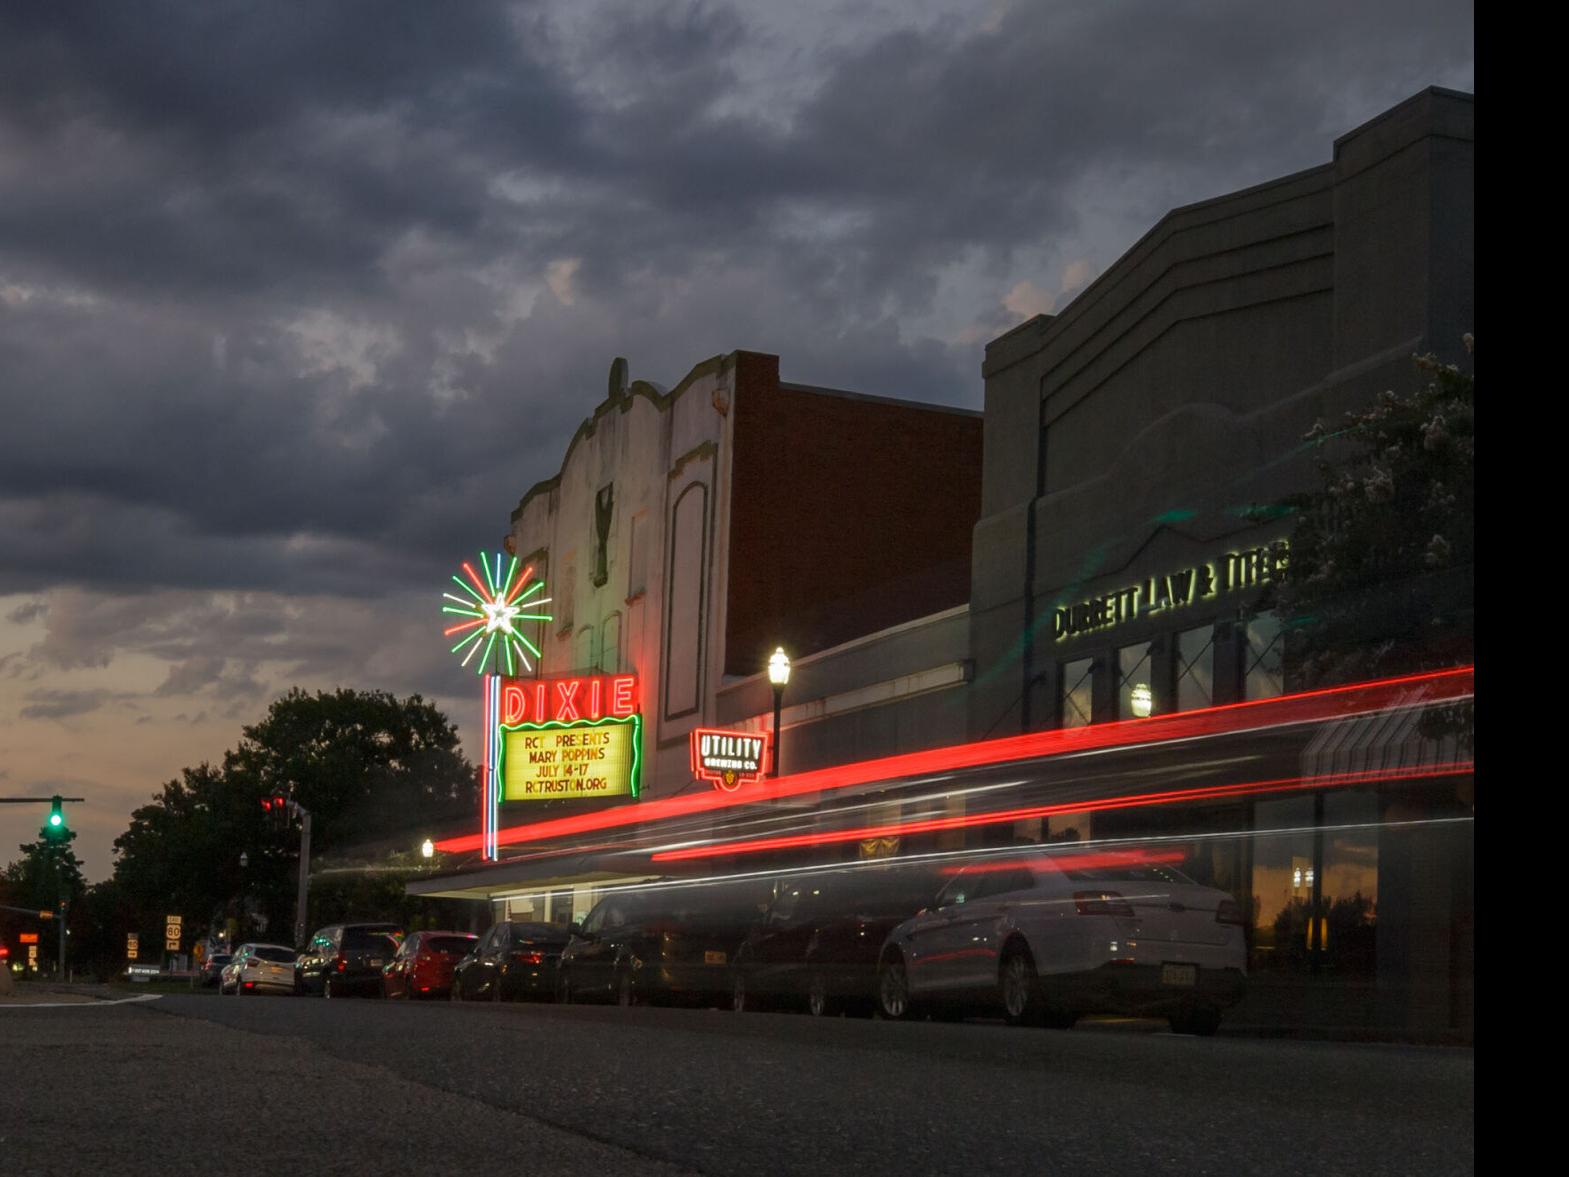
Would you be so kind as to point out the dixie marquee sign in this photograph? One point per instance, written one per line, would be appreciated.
(569, 738)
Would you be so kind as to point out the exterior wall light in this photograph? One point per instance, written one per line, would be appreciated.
(1143, 700)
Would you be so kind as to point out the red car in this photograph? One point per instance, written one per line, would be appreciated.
(423, 966)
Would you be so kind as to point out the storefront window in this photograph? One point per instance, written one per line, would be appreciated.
(1196, 668)
(1263, 666)
(1133, 673)
(1077, 703)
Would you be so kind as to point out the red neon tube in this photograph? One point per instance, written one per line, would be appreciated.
(1306, 707)
(1135, 801)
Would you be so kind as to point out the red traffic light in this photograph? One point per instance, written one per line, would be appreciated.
(266, 804)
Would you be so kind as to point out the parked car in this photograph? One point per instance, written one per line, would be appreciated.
(213, 966)
(514, 959)
(255, 968)
(345, 959)
(1049, 938)
(818, 944)
(666, 944)
(423, 966)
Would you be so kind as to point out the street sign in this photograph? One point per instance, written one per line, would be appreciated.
(132, 945)
(28, 938)
(171, 932)
(32, 957)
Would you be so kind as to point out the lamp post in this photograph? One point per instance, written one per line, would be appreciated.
(427, 849)
(779, 676)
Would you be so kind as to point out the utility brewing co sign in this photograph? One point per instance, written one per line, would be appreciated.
(568, 738)
(729, 759)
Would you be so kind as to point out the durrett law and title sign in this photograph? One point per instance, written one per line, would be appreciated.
(1229, 573)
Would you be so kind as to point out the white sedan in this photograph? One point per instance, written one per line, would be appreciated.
(1048, 937)
(258, 967)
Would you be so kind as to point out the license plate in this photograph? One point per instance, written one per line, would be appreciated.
(1185, 975)
(374, 961)
(713, 958)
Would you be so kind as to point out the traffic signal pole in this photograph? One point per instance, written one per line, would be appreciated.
(305, 874)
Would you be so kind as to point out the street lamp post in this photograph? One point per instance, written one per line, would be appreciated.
(779, 676)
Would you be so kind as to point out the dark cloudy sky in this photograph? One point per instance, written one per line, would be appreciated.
(297, 299)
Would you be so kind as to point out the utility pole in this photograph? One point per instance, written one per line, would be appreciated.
(61, 919)
(305, 871)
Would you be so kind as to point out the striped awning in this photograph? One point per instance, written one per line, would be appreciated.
(1383, 740)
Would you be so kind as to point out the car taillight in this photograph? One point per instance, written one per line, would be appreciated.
(343, 963)
(1102, 903)
(529, 957)
(1229, 912)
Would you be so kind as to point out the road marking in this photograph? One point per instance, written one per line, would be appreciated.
(82, 1004)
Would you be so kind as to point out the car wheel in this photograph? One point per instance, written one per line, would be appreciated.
(495, 991)
(818, 1003)
(740, 1001)
(328, 989)
(1202, 1022)
(626, 992)
(456, 992)
(893, 988)
(1020, 987)
(564, 990)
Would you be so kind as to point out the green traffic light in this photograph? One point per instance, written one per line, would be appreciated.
(56, 820)
(55, 826)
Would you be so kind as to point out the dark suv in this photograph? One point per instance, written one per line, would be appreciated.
(345, 959)
(817, 947)
(672, 944)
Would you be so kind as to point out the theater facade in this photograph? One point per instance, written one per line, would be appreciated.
(1055, 620)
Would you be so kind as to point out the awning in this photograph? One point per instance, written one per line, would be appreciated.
(1379, 742)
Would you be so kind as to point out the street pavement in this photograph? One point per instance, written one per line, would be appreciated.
(175, 1085)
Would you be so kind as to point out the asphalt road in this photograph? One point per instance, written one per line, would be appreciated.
(313, 1086)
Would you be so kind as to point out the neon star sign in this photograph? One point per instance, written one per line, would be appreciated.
(494, 611)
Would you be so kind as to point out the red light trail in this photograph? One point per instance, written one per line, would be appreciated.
(1135, 801)
(1306, 707)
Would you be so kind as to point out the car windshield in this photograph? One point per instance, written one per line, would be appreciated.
(276, 955)
(363, 939)
(449, 945)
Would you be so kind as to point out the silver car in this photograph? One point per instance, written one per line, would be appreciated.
(1048, 937)
(256, 968)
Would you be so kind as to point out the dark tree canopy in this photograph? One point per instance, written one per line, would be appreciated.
(366, 764)
(47, 872)
(1383, 555)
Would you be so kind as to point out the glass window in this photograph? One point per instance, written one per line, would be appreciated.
(1263, 666)
(1077, 701)
(1196, 668)
(1133, 673)
(604, 512)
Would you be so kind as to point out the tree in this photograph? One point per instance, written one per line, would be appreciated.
(1382, 556)
(364, 764)
(47, 872)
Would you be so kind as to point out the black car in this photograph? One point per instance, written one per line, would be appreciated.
(212, 966)
(345, 959)
(662, 944)
(817, 946)
(513, 960)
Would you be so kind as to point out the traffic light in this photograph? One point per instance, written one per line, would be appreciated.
(275, 808)
(55, 828)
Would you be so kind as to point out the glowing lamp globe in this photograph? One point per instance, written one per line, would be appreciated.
(1143, 701)
(779, 667)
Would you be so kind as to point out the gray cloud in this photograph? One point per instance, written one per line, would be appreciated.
(47, 704)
